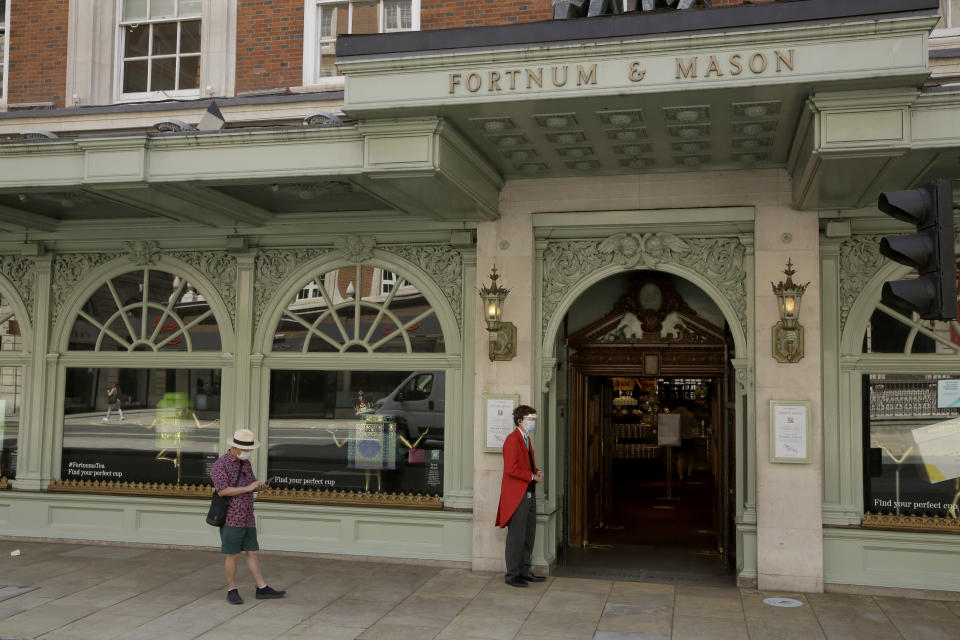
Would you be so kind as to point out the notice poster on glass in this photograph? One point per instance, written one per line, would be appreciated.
(789, 431)
(939, 447)
(948, 394)
(668, 429)
(498, 418)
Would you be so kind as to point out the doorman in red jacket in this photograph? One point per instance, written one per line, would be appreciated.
(518, 497)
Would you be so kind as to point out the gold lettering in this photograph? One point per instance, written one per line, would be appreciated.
(735, 63)
(474, 82)
(586, 78)
(538, 77)
(559, 83)
(687, 71)
(513, 73)
(454, 81)
(494, 81)
(787, 62)
(714, 68)
(763, 62)
(636, 73)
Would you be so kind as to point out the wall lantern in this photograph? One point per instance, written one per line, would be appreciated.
(788, 334)
(503, 335)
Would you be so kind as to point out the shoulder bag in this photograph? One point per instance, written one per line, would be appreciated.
(217, 514)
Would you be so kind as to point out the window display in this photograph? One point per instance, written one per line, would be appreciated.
(912, 445)
(359, 431)
(141, 425)
(11, 399)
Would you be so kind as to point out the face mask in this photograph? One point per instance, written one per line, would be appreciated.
(245, 455)
(530, 426)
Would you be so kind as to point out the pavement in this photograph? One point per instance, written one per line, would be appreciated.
(105, 592)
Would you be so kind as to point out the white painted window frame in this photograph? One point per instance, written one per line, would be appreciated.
(951, 27)
(311, 38)
(119, 58)
(5, 76)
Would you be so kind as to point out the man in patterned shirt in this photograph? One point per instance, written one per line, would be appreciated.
(233, 477)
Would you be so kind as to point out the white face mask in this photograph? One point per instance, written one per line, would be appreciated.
(530, 426)
(245, 455)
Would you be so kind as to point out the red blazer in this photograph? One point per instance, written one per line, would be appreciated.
(517, 474)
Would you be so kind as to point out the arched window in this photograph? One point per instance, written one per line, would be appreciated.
(11, 389)
(910, 382)
(132, 414)
(347, 417)
(352, 309)
(146, 310)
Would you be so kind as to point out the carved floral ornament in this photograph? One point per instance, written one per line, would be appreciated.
(860, 260)
(19, 271)
(718, 260)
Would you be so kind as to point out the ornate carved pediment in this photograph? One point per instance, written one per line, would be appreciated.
(650, 312)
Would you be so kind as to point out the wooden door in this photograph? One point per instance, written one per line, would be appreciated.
(593, 448)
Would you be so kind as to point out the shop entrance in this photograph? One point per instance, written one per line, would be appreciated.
(650, 474)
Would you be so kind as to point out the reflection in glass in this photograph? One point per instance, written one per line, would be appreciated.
(146, 310)
(368, 431)
(347, 310)
(10, 338)
(141, 425)
(11, 399)
(912, 444)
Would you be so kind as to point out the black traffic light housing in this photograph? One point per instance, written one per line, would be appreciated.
(933, 295)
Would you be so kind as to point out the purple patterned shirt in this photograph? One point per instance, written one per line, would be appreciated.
(224, 474)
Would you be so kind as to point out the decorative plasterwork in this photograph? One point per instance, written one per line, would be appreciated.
(356, 249)
(718, 260)
(860, 259)
(220, 268)
(272, 266)
(69, 269)
(546, 374)
(112, 487)
(444, 265)
(19, 271)
(143, 252)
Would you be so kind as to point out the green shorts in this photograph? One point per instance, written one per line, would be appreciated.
(236, 539)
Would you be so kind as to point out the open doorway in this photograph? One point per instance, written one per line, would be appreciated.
(648, 495)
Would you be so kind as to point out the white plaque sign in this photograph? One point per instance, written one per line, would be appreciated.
(498, 418)
(789, 431)
(668, 429)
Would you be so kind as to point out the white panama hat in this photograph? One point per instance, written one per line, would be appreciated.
(244, 439)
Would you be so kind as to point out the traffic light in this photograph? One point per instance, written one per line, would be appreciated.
(933, 295)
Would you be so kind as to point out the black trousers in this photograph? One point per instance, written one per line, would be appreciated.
(521, 531)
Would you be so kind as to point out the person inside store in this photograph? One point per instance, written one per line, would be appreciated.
(233, 477)
(688, 434)
(518, 490)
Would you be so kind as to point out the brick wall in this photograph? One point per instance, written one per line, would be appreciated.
(447, 14)
(38, 51)
(269, 44)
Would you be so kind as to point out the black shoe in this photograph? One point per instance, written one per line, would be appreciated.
(233, 597)
(516, 581)
(532, 578)
(269, 592)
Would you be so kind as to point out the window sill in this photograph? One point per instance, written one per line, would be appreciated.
(158, 96)
(115, 488)
(333, 83)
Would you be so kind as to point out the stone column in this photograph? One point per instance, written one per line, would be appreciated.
(789, 496)
(33, 449)
(509, 242)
